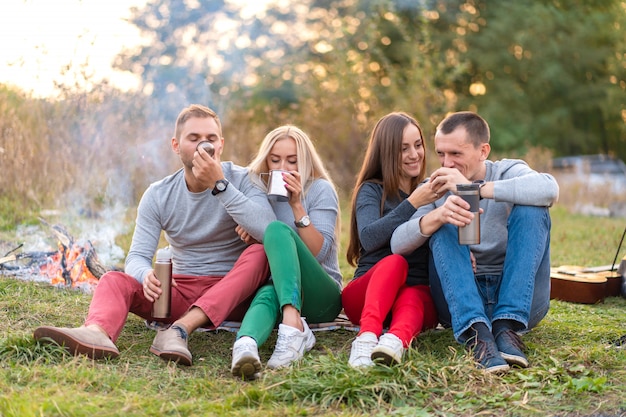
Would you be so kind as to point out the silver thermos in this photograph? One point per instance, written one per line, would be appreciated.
(470, 234)
(162, 306)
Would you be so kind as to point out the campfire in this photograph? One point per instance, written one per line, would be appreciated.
(74, 265)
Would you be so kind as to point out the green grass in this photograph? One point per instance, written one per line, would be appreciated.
(573, 371)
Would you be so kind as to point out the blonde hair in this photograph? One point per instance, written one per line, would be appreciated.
(310, 165)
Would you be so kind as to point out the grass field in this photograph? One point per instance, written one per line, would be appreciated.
(574, 371)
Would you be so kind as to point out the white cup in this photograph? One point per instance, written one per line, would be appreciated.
(276, 186)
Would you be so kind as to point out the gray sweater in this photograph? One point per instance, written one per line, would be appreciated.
(199, 227)
(322, 206)
(375, 230)
(515, 183)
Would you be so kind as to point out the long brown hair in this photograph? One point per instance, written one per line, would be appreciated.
(383, 164)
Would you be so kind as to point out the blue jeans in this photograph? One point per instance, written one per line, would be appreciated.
(521, 293)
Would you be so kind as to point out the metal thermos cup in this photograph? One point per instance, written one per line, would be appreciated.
(207, 146)
(276, 186)
(470, 234)
(162, 306)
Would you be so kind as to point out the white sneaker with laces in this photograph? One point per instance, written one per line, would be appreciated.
(388, 350)
(246, 360)
(291, 345)
(361, 352)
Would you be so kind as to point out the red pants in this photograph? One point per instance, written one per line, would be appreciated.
(369, 299)
(220, 298)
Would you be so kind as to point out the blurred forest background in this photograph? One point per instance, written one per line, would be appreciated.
(548, 75)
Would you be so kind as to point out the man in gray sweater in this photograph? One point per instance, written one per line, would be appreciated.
(214, 271)
(489, 292)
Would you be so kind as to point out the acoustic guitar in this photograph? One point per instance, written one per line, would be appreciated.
(578, 284)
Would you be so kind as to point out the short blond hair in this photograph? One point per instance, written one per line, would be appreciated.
(195, 110)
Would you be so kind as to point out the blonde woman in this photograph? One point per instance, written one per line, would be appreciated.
(301, 248)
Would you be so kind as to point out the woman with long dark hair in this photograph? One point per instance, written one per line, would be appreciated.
(388, 289)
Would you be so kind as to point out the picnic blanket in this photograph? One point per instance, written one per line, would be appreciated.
(341, 322)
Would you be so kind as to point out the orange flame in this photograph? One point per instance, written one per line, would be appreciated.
(68, 267)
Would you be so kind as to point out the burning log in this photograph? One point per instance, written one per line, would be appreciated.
(88, 252)
(74, 264)
(29, 258)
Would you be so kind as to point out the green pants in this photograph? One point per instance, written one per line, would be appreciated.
(298, 279)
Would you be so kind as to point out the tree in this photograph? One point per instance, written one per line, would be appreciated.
(332, 67)
(544, 73)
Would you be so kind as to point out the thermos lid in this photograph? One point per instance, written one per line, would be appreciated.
(164, 255)
(469, 188)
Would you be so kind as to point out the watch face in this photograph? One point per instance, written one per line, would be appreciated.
(220, 185)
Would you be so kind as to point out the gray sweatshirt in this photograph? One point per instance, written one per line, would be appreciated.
(515, 183)
(322, 206)
(199, 227)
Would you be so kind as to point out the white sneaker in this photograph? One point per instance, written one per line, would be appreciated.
(361, 352)
(246, 360)
(388, 350)
(291, 345)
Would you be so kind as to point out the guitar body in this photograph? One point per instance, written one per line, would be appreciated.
(577, 287)
(578, 284)
(613, 283)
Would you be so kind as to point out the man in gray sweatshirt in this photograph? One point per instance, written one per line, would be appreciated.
(489, 292)
(214, 271)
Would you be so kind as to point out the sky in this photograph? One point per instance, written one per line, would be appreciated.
(39, 38)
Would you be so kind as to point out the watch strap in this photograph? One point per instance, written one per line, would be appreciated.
(303, 222)
(220, 186)
(481, 184)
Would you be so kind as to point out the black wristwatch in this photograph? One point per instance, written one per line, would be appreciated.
(220, 186)
(481, 184)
